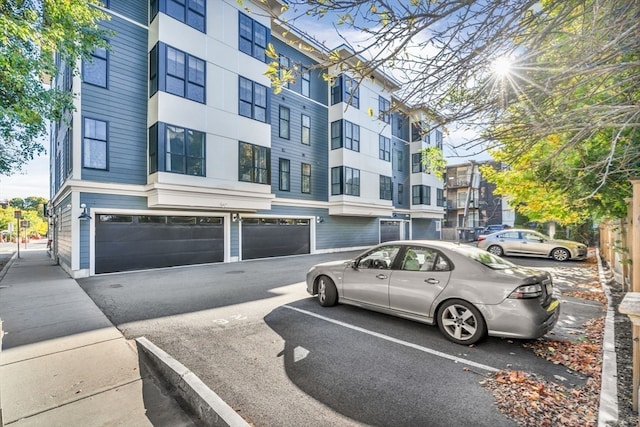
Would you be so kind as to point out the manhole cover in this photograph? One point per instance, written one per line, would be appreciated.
(235, 272)
(115, 286)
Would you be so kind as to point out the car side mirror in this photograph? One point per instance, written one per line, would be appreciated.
(354, 264)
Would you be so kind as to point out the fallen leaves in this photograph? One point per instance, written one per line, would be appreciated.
(590, 295)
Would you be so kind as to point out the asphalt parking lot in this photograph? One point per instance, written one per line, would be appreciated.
(251, 332)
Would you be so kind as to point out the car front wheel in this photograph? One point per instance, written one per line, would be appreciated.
(496, 250)
(560, 254)
(327, 292)
(461, 322)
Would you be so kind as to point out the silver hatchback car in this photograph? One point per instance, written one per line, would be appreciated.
(531, 243)
(469, 293)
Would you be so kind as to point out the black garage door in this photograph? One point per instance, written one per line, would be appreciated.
(389, 230)
(136, 242)
(269, 237)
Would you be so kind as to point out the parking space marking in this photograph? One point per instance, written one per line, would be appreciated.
(396, 341)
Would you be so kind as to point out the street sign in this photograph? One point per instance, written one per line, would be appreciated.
(24, 224)
(17, 214)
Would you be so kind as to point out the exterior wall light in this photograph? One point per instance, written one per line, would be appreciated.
(85, 213)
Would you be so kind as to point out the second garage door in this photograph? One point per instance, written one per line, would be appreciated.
(270, 237)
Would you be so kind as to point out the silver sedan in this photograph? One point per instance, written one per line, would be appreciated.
(469, 293)
(531, 243)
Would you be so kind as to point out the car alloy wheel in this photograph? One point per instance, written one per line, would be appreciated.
(560, 254)
(327, 292)
(495, 250)
(461, 322)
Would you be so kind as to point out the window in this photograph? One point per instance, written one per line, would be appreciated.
(285, 64)
(384, 108)
(416, 163)
(94, 144)
(254, 38)
(399, 160)
(345, 134)
(400, 194)
(176, 72)
(306, 83)
(385, 148)
(176, 149)
(418, 258)
(386, 192)
(306, 130)
(439, 139)
(285, 175)
(345, 180)
(94, 70)
(345, 89)
(421, 195)
(306, 178)
(380, 258)
(440, 199)
(284, 122)
(253, 163)
(253, 100)
(185, 151)
(190, 12)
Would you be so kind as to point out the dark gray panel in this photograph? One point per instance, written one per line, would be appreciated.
(135, 246)
(389, 230)
(263, 240)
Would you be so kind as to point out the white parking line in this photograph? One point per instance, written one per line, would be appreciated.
(396, 341)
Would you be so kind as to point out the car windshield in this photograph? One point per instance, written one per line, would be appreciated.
(484, 257)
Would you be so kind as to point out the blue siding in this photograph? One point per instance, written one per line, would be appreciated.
(315, 154)
(123, 104)
(424, 228)
(401, 177)
(134, 10)
(345, 232)
(318, 86)
(62, 233)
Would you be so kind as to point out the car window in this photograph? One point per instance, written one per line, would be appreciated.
(533, 237)
(419, 258)
(509, 235)
(484, 257)
(379, 258)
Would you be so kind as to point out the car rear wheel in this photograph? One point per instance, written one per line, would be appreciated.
(327, 292)
(496, 250)
(560, 254)
(461, 322)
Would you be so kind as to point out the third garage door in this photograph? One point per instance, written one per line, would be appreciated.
(270, 237)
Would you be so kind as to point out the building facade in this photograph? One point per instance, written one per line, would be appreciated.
(179, 152)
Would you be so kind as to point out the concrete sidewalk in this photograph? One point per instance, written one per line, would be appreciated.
(62, 362)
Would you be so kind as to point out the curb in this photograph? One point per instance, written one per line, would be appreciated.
(201, 400)
(608, 408)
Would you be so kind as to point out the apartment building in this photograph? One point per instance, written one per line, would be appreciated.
(179, 152)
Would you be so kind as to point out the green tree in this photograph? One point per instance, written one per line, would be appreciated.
(31, 33)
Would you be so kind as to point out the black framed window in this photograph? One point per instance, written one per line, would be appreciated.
(253, 163)
(384, 108)
(345, 89)
(386, 188)
(305, 136)
(345, 180)
(345, 134)
(384, 148)
(284, 175)
(95, 69)
(306, 178)
(285, 64)
(176, 72)
(439, 139)
(185, 151)
(177, 150)
(253, 100)
(400, 194)
(254, 37)
(285, 122)
(191, 12)
(416, 163)
(399, 157)
(305, 78)
(421, 195)
(94, 144)
(440, 199)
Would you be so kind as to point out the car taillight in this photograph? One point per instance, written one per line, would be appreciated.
(481, 238)
(526, 291)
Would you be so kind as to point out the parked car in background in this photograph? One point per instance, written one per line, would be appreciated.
(531, 243)
(469, 293)
(489, 229)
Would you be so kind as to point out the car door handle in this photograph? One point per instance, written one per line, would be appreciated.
(381, 276)
(432, 281)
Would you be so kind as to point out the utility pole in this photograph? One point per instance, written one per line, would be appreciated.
(469, 192)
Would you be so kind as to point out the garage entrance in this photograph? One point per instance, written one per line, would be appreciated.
(390, 230)
(137, 242)
(271, 237)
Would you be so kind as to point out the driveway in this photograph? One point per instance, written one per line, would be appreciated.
(251, 332)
